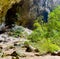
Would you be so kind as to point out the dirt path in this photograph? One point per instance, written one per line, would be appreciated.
(32, 56)
(35, 57)
(43, 57)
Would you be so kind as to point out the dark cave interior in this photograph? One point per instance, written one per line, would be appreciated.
(11, 16)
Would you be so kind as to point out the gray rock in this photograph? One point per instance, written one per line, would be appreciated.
(56, 53)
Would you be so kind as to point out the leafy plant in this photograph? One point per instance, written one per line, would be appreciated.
(17, 32)
(46, 36)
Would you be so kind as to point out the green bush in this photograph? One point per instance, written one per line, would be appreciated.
(46, 36)
(17, 31)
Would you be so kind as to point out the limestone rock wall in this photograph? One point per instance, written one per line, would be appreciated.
(4, 6)
(27, 10)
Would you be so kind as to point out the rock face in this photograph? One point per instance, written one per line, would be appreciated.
(28, 10)
(4, 6)
(36, 6)
(33, 8)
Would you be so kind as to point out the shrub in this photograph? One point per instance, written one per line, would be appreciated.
(17, 31)
(46, 36)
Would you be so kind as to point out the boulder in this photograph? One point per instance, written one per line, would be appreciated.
(56, 53)
(31, 49)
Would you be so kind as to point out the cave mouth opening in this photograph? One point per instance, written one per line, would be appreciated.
(11, 17)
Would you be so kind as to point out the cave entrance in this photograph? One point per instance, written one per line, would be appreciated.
(11, 17)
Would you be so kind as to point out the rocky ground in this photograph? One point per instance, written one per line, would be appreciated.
(13, 48)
